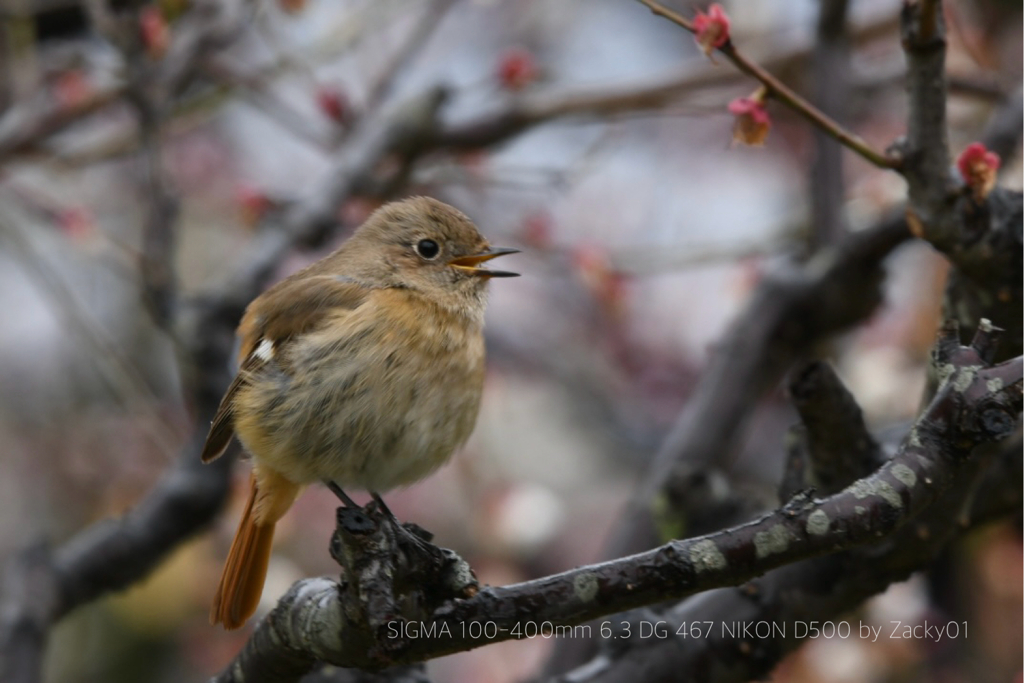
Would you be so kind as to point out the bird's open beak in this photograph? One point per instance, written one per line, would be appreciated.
(469, 264)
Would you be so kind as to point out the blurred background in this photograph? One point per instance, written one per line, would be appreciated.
(643, 230)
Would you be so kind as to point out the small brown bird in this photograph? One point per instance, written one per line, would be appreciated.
(362, 370)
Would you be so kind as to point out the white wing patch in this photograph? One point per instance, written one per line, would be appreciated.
(265, 351)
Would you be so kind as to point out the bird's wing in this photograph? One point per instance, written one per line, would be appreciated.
(290, 308)
(223, 428)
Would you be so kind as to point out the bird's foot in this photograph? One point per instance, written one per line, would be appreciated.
(342, 496)
(412, 534)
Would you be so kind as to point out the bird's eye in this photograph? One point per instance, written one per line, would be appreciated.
(428, 249)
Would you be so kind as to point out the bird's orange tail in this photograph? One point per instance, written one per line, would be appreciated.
(241, 583)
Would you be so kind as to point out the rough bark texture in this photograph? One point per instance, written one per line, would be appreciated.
(854, 521)
(374, 619)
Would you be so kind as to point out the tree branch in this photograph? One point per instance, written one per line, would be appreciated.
(819, 589)
(114, 554)
(982, 238)
(830, 69)
(926, 150)
(789, 312)
(839, 447)
(44, 585)
(26, 126)
(786, 95)
(977, 404)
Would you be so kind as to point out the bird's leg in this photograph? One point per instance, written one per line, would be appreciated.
(384, 508)
(415, 539)
(343, 497)
(412, 537)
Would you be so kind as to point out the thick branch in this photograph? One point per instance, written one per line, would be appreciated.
(982, 238)
(791, 310)
(830, 70)
(840, 448)
(986, 281)
(975, 405)
(45, 585)
(926, 152)
(819, 589)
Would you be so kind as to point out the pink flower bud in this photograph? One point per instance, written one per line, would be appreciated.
(711, 30)
(156, 35)
(253, 203)
(71, 89)
(333, 103)
(537, 229)
(516, 69)
(76, 222)
(752, 120)
(978, 168)
(605, 284)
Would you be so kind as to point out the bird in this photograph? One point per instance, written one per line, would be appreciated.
(363, 370)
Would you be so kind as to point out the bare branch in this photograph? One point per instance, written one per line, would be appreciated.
(119, 371)
(926, 152)
(819, 589)
(839, 447)
(43, 585)
(27, 124)
(791, 309)
(315, 622)
(208, 25)
(435, 12)
(830, 68)
(786, 95)
(156, 270)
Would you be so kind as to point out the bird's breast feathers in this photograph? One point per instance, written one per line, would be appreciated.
(377, 396)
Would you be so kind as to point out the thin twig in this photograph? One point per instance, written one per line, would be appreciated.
(929, 10)
(384, 84)
(121, 374)
(255, 89)
(787, 96)
(156, 265)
